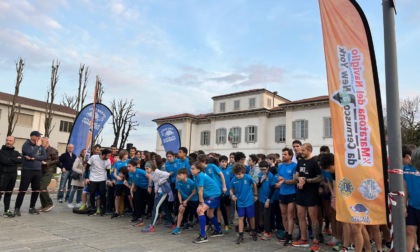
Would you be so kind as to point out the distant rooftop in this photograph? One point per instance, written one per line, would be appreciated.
(36, 103)
(251, 91)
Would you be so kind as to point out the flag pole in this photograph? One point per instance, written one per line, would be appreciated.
(93, 116)
(394, 125)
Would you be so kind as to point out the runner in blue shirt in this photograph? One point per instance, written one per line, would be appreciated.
(225, 201)
(265, 184)
(119, 187)
(182, 161)
(287, 182)
(140, 183)
(412, 185)
(188, 199)
(244, 192)
(209, 199)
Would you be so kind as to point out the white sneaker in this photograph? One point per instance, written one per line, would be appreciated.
(70, 205)
(78, 205)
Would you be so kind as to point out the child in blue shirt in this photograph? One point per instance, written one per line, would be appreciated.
(244, 192)
(139, 191)
(225, 201)
(209, 199)
(266, 184)
(119, 187)
(182, 161)
(188, 199)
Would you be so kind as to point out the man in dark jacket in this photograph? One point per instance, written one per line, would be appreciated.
(49, 167)
(33, 154)
(66, 164)
(9, 160)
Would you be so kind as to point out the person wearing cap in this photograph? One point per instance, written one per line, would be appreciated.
(33, 154)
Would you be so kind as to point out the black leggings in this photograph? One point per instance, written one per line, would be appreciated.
(7, 183)
(99, 186)
(139, 202)
(33, 178)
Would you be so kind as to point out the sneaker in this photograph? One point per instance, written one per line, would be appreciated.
(134, 220)
(265, 236)
(301, 243)
(83, 207)
(321, 238)
(240, 239)
(254, 236)
(315, 246)
(227, 229)
(70, 205)
(281, 235)
(8, 214)
(344, 250)
(327, 231)
(41, 209)
(109, 212)
(337, 246)
(139, 223)
(148, 229)
(288, 240)
(188, 226)
(60, 200)
(351, 247)
(32, 210)
(91, 212)
(201, 239)
(48, 208)
(98, 211)
(17, 212)
(216, 234)
(78, 205)
(176, 231)
(115, 216)
(332, 242)
(168, 225)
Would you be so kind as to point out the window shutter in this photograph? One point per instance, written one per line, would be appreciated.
(208, 137)
(306, 128)
(247, 134)
(202, 138)
(224, 136)
(294, 130)
(239, 134)
(277, 134)
(255, 134)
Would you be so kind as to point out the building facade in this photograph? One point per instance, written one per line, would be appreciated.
(253, 121)
(32, 117)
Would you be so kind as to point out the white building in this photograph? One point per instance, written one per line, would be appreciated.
(32, 117)
(258, 121)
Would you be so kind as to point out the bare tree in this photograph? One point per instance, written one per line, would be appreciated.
(14, 109)
(50, 98)
(410, 125)
(77, 102)
(100, 91)
(123, 121)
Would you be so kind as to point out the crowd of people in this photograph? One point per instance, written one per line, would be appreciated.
(269, 194)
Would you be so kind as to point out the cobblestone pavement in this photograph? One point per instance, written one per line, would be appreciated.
(61, 230)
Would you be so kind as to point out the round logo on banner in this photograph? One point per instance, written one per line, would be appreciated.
(369, 189)
(345, 187)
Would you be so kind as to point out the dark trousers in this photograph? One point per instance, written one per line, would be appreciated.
(7, 183)
(190, 211)
(110, 198)
(32, 178)
(139, 202)
(44, 196)
(266, 214)
(276, 221)
(174, 206)
(150, 202)
(99, 187)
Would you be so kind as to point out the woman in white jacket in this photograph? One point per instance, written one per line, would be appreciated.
(77, 184)
(162, 188)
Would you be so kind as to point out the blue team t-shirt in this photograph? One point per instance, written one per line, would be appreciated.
(139, 178)
(171, 167)
(117, 166)
(210, 188)
(214, 172)
(183, 164)
(413, 186)
(265, 187)
(287, 171)
(243, 190)
(228, 174)
(186, 188)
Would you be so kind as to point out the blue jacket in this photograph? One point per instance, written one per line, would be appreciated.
(37, 152)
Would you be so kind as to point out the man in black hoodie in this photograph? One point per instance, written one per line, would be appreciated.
(9, 160)
(33, 154)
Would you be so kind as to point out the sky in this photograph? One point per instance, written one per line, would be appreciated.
(171, 57)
